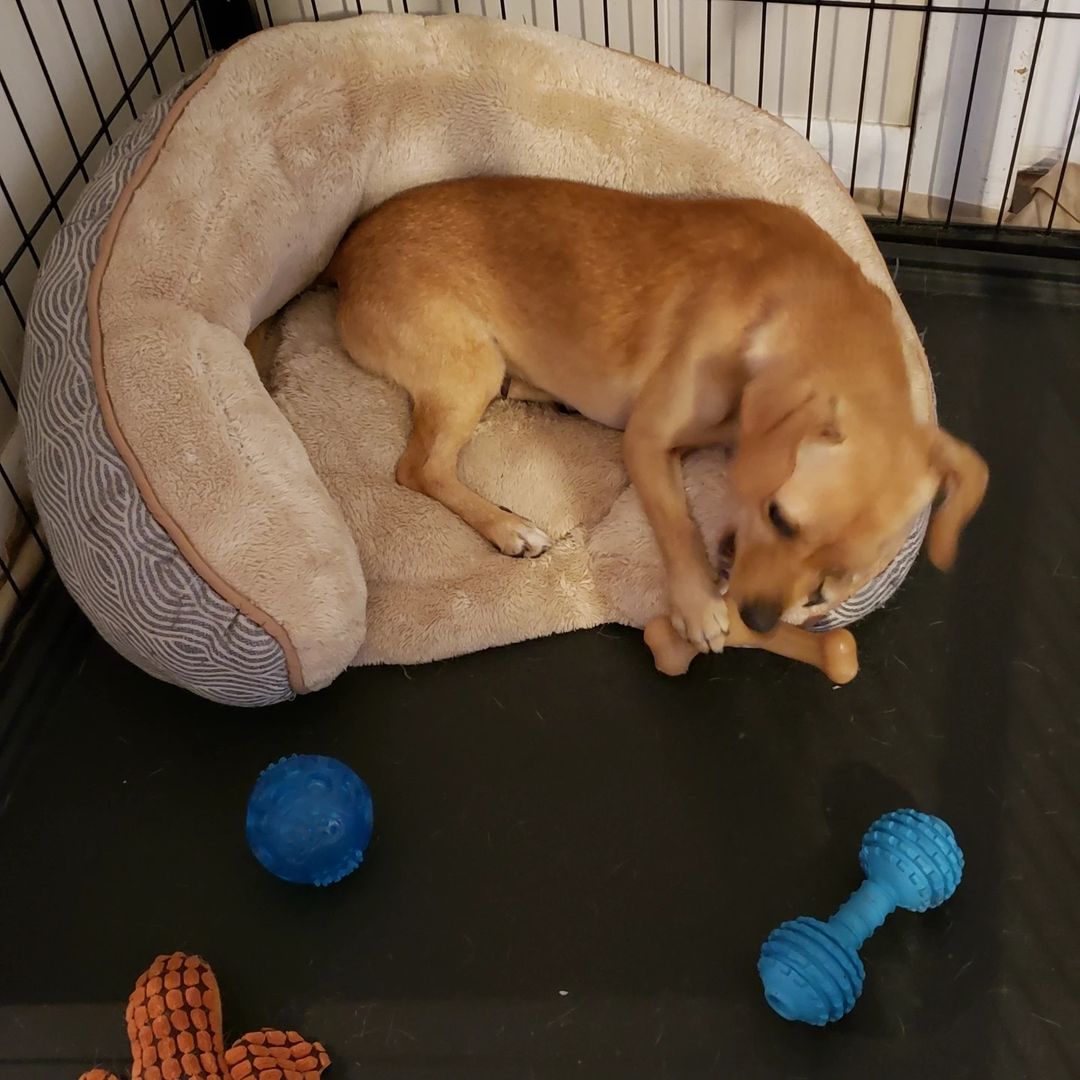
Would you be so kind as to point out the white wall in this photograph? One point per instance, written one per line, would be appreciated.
(730, 58)
(735, 51)
(1003, 76)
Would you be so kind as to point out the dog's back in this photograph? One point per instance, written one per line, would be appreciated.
(587, 289)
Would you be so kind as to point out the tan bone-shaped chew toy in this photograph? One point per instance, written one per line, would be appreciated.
(832, 651)
(174, 1024)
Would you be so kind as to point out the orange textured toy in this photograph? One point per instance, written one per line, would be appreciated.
(174, 1024)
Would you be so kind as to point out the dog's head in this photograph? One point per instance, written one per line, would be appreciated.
(829, 487)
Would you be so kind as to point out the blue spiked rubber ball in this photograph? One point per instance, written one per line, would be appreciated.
(309, 819)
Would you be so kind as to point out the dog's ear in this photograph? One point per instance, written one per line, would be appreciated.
(962, 477)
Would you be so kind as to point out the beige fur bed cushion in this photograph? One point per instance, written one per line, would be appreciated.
(293, 134)
(435, 587)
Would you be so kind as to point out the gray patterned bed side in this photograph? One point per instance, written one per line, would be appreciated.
(117, 561)
(877, 592)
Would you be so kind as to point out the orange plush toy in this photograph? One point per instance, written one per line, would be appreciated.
(174, 1024)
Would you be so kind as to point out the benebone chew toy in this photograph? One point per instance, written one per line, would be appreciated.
(174, 1024)
(833, 651)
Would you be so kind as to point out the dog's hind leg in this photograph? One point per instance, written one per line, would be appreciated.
(445, 415)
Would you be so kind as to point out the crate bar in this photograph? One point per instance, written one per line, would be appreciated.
(967, 113)
(204, 38)
(1023, 113)
(22, 508)
(1064, 166)
(9, 393)
(708, 39)
(50, 84)
(115, 57)
(172, 37)
(8, 577)
(939, 9)
(976, 236)
(83, 68)
(145, 48)
(813, 68)
(920, 71)
(4, 384)
(862, 98)
(32, 150)
(226, 24)
(28, 243)
(761, 54)
(76, 171)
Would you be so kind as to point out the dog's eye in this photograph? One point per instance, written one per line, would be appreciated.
(817, 596)
(780, 523)
(727, 549)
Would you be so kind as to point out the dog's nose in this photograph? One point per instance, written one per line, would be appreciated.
(760, 615)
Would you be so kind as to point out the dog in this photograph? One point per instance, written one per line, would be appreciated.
(684, 322)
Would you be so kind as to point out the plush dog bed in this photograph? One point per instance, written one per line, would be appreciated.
(248, 541)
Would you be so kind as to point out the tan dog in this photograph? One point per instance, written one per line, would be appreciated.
(686, 322)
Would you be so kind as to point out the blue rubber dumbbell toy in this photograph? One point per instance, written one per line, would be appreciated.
(810, 969)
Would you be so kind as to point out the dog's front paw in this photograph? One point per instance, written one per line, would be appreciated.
(515, 536)
(699, 613)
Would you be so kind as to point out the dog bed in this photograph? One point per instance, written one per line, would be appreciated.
(247, 541)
